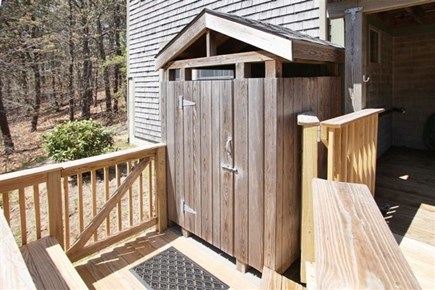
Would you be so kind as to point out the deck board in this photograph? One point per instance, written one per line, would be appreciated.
(111, 268)
(405, 181)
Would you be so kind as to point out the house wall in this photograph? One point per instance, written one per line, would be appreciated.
(380, 86)
(413, 86)
(153, 23)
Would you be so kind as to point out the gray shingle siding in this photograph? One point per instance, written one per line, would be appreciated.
(152, 23)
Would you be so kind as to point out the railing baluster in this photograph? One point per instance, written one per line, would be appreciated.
(140, 190)
(94, 198)
(37, 207)
(130, 197)
(150, 189)
(23, 222)
(66, 211)
(118, 183)
(80, 189)
(6, 207)
(106, 196)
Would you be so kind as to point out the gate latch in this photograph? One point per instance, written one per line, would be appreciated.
(185, 208)
(184, 103)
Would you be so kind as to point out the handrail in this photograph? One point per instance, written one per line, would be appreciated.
(343, 120)
(352, 144)
(50, 197)
(354, 248)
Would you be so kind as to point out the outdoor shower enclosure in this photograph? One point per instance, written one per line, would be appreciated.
(229, 103)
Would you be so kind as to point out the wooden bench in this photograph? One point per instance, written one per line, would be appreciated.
(49, 266)
(354, 248)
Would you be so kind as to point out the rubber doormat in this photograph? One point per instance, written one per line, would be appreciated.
(171, 269)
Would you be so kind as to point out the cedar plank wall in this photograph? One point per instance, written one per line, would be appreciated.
(404, 78)
(154, 22)
(379, 88)
(414, 87)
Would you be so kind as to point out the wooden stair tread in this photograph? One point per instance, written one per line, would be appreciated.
(49, 266)
(273, 280)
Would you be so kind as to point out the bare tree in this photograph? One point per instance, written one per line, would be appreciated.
(4, 125)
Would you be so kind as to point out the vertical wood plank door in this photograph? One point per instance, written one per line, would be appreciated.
(203, 150)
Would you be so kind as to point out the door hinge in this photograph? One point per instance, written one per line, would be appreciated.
(186, 209)
(229, 168)
(184, 103)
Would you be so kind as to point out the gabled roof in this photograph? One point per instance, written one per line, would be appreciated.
(280, 41)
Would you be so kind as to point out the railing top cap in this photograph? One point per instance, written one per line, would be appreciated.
(340, 121)
(27, 173)
(308, 119)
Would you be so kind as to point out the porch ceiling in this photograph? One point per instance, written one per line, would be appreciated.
(409, 16)
(280, 41)
(337, 8)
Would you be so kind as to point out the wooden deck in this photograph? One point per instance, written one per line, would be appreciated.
(406, 182)
(111, 269)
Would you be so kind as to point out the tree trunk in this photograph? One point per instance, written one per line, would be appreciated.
(106, 75)
(6, 133)
(96, 87)
(71, 62)
(37, 100)
(54, 95)
(117, 70)
(87, 71)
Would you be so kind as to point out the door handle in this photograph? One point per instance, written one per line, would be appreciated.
(229, 168)
(229, 146)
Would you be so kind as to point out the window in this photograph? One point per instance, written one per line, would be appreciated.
(374, 46)
(214, 74)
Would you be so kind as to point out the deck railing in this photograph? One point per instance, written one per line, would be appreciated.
(351, 142)
(88, 204)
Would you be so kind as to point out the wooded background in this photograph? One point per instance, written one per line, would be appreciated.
(60, 53)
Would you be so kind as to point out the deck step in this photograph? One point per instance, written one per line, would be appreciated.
(49, 266)
(273, 280)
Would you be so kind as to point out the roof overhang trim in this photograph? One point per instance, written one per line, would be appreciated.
(277, 45)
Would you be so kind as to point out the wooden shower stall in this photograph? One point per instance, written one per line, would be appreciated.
(229, 119)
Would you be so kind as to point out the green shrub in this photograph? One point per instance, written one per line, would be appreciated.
(76, 140)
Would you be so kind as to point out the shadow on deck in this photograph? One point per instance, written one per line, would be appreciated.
(405, 188)
(112, 268)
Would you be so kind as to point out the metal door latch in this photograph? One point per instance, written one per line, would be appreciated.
(184, 103)
(185, 208)
(229, 168)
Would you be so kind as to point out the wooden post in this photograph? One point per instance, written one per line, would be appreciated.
(185, 74)
(273, 69)
(54, 193)
(241, 266)
(354, 61)
(310, 124)
(210, 43)
(243, 70)
(160, 164)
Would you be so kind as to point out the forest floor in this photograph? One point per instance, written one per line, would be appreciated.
(28, 145)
